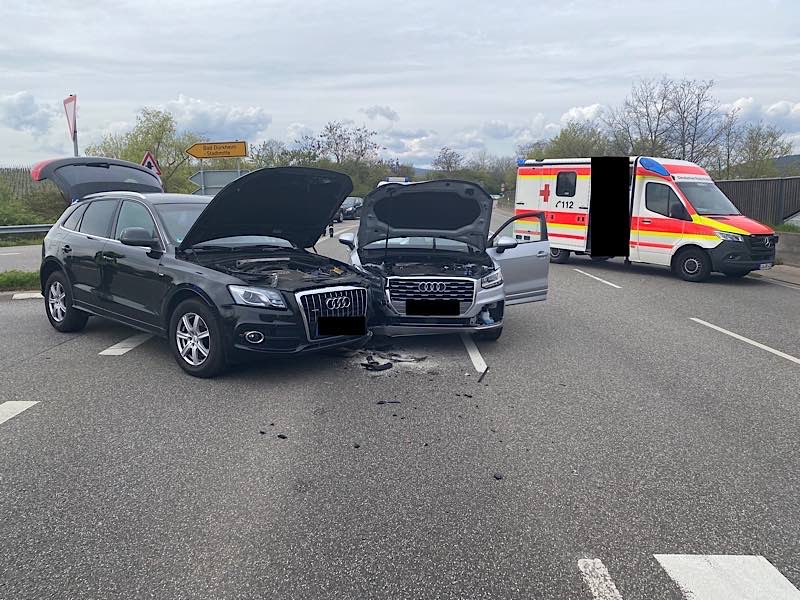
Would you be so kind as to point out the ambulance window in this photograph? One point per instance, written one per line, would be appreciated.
(656, 198)
(565, 183)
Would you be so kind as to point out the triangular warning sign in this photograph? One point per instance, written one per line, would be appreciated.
(149, 161)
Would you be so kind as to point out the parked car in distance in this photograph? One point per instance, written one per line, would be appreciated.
(351, 207)
(218, 277)
(438, 268)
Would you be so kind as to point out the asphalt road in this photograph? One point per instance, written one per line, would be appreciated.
(622, 431)
(20, 258)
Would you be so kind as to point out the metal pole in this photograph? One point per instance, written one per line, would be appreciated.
(238, 166)
(202, 178)
(75, 138)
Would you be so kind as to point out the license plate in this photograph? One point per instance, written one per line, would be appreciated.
(765, 266)
(342, 326)
(433, 308)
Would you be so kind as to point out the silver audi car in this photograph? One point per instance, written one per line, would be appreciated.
(441, 269)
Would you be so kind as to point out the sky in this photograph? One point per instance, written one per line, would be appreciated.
(472, 75)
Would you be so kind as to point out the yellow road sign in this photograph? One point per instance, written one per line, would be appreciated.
(217, 149)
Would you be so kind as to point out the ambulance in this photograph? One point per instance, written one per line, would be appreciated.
(648, 210)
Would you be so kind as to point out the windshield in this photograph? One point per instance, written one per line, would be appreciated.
(178, 218)
(707, 198)
(421, 243)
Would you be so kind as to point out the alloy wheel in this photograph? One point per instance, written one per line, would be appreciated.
(193, 339)
(57, 301)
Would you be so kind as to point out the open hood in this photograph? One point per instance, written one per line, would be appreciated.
(292, 203)
(447, 208)
(80, 176)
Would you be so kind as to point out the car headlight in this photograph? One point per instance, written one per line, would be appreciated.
(729, 237)
(493, 279)
(253, 296)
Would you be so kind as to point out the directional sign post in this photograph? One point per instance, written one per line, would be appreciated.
(210, 182)
(151, 163)
(218, 149)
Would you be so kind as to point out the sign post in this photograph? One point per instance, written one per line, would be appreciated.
(218, 149)
(70, 108)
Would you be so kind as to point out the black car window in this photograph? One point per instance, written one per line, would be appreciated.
(656, 198)
(97, 217)
(134, 214)
(565, 183)
(74, 218)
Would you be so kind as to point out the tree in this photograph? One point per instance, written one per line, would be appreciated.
(578, 139)
(640, 125)
(535, 150)
(269, 153)
(695, 121)
(155, 130)
(759, 146)
(728, 147)
(448, 160)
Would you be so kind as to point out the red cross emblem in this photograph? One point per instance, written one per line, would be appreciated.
(545, 192)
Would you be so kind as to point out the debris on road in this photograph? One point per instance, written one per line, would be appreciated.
(281, 436)
(498, 476)
(356, 446)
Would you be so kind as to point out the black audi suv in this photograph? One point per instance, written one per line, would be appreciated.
(216, 276)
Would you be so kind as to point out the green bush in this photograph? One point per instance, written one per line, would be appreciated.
(19, 280)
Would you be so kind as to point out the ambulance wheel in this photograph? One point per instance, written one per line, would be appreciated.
(559, 256)
(692, 264)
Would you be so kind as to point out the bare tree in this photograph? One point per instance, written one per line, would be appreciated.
(363, 146)
(270, 153)
(728, 148)
(640, 125)
(537, 149)
(694, 121)
(448, 160)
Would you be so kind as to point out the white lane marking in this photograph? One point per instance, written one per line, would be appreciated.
(9, 253)
(13, 407)
(126, 345)
(614, 285)
(789, 357)
(598, 579)
(27, 296)
(727, 577)
(474, 353)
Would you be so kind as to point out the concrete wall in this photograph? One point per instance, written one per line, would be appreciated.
(788, 249)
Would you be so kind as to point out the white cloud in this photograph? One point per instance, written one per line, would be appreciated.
(22, 112)
(373, 112)
(219, 121)
(498, 130)
(582, 113)
(295, 131)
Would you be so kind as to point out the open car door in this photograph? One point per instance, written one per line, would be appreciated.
(521, 249)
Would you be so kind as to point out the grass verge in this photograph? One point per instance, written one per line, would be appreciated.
(788, 227)
(19, 280)
(15, 240)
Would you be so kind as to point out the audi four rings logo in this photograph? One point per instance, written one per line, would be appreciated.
(432, 286)
(337, 302)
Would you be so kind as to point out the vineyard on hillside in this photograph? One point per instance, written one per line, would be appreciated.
(24, 201)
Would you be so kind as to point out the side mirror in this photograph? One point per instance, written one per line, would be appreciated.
(504, 243)
(139, 236)
(348, 239)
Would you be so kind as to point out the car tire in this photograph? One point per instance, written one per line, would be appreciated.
(195, 337)
(692, 264)
(559, 256)
(490, 336)
(58, 305)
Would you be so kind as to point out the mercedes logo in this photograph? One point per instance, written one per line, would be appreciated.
(337, 302)
(432, 286)
(768, 242)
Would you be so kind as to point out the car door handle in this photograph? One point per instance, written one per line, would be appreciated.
(67, 249)
(541, 254)
(646, 221)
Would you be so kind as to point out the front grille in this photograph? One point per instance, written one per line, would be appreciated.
(401, 290)
(762, 247)
(314, 305)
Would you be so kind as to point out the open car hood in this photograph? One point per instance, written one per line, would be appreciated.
(292, 203)
(447, 208)
(80, 176)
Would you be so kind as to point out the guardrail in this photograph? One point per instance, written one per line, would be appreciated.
(21, 229)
